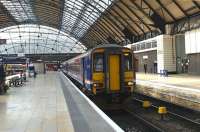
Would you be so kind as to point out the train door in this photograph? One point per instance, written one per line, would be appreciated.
(114, 72)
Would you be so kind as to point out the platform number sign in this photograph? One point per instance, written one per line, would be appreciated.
(2, 41)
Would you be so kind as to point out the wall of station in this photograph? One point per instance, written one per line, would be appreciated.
(166, 53)
(192, 39)
(150, 60)
(181, 57)
(194, 64)
(192, 48)
(39, 67)
(177, 54)
(157, 53)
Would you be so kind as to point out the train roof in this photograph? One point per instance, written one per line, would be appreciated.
(107, 45)
(99, 46)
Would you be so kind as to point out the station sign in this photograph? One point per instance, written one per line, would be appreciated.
(2, 41)
(145, 57)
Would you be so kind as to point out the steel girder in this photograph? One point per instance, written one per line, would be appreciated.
(96, 21)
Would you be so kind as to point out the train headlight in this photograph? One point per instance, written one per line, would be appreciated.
(97, 84)
(130, 83)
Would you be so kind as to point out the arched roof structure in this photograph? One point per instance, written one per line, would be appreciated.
(94, 22)
(35, 39)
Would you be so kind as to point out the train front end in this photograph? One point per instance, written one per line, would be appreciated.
(113, 74)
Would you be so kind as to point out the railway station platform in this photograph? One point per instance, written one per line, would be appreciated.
(180, 89)
(51, 103)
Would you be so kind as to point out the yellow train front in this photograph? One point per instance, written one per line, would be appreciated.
(105, 72)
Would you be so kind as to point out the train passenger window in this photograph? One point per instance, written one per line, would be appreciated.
(98, 62)
(128, 61)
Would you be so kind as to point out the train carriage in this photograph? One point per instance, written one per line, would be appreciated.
(104, 70)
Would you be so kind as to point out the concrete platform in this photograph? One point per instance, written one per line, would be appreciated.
(42, 106)
(181, 89)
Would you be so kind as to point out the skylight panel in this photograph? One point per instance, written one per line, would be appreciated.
(30, 43)
(82, 13)
(20, 9)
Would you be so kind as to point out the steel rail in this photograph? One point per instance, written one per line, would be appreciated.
(172, 113)
(145, 121)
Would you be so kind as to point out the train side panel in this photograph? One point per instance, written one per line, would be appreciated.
(87, 72)
(74, 69)
(80, 69)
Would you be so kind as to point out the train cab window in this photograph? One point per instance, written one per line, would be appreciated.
(128, 61)
(98, 62)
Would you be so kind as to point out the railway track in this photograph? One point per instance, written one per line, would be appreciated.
(186, 119)
(178, 111)
(151, 126)
(134, 118)
(131, 122)
(173, 122)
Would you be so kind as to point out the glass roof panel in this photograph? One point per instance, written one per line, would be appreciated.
(78, 15)
(34, 39)
(82, 13)
(20, 9)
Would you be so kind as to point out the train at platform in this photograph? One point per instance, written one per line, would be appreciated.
(3, 86)
(106, 70)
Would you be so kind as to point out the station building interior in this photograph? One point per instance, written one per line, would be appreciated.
(99, 65)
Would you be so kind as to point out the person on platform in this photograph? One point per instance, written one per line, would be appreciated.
(35, 74)
(145, 68)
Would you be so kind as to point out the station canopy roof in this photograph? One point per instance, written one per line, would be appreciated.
(35, 39)
(58, 26)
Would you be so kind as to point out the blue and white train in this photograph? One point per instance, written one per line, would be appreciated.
(104, 70)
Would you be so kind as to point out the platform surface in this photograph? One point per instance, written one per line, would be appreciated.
(48, 103)
(38, 106)
(181, 89)
(182, 80)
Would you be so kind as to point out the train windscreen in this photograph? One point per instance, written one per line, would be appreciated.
(128, 62)
(98, 62)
